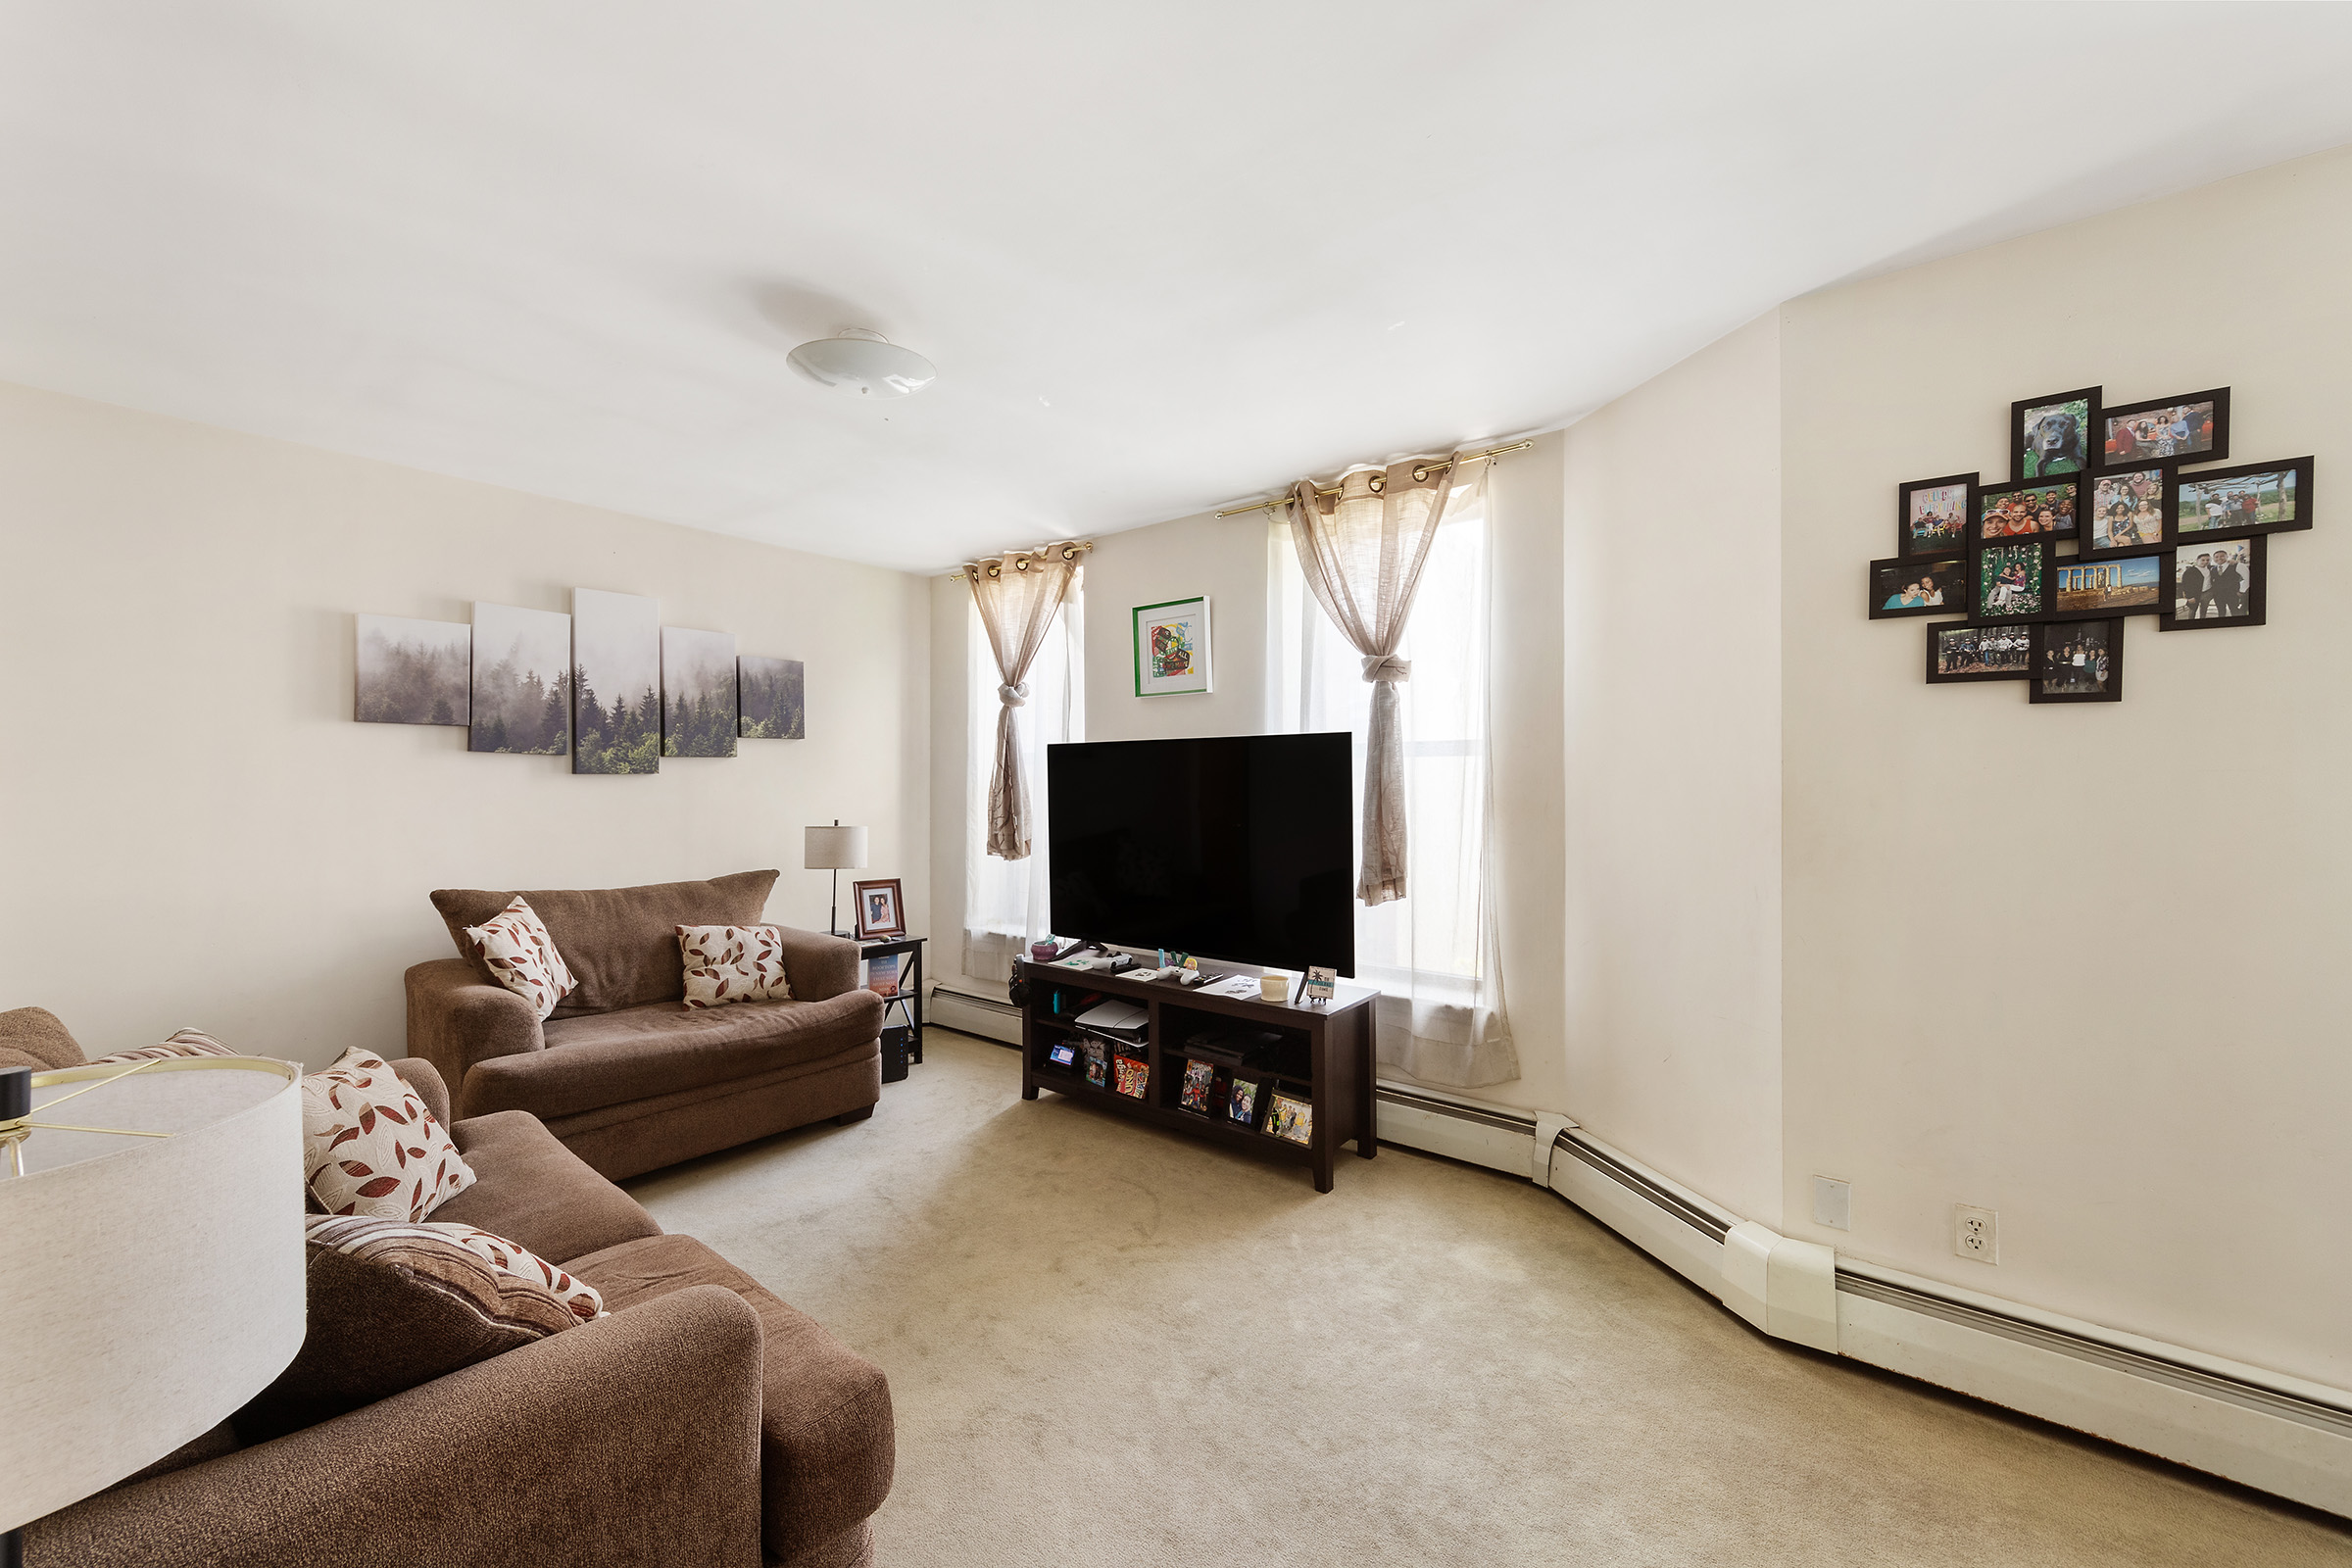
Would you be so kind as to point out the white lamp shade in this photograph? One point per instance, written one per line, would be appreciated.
(835, 848)
(151, 1285)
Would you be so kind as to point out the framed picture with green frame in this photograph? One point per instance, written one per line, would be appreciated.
(1171, 648)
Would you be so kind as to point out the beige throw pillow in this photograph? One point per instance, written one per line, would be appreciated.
(184, 1043)
(523, 956)
(371, 1147)
(733, 963)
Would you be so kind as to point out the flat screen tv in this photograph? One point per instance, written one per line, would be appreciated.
(1235, 847)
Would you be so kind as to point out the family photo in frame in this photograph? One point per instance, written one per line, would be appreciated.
(878, 909)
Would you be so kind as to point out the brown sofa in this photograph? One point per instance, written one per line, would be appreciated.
(626, 1073)
(703, 1422)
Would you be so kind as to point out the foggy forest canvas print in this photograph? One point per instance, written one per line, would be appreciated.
(521, 695)
(772, 695)
(411, 671)
(697, 693)
(617, 682)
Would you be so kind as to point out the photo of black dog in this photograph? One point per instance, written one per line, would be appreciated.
(2056, 441)
(2052, 432)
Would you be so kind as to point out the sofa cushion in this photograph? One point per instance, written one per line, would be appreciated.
(532, 1190)
(370, 1146)
(826, 1434)
(31, 1037)
(639, 1053)
(621, 944)
(514, 947)
(184, 1043)
(730, 964)
(390, 1305)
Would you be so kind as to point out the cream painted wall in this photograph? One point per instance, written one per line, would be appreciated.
(1224, 558)
(1672, 929)
(194, 832)
(2083, 965)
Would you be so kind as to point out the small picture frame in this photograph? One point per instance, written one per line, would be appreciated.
(1171, 648)
(2051, 509)
(2011, 581)
(1198, 1091)
(2216, 582)
(2189, 427)
(1919, 585)
(2125, 513)
(2077, 662)
(878, 909)
(1130, 1077)
(1960, 651)
(1290, 1118)
(1244, 1094)
(2053, 434)
(1063, 1054)
(2241, 503)
(2125, 585)
(1319, 987)
(1932, 516)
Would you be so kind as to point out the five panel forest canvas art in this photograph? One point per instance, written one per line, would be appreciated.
(607, 684)
(2108, 512)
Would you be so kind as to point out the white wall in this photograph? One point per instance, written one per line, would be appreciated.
(193, 831)
(1224, 558)
(2084, 965)
(1672, 931)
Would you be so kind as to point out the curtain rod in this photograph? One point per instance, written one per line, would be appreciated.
(1070, 551)
(1419, 472)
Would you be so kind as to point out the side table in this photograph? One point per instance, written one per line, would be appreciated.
(901, 1041)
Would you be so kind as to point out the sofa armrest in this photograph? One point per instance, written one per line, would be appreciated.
(425, 1079)
(457, 1019)
(631, 1440)
(818, 965)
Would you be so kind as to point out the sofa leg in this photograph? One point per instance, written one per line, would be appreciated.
(849, 1116)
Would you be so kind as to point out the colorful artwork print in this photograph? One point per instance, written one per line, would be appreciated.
(616, 682)
(773, 698)
(2236, 502)
(2213, 582)
(2053, 437)
(1131, 1077)
(1198, 1091)
(2041, 508)
(1291, 1119)
(2127, 510)
(411, 671)
(697, 693)
(2009, 582)
(2174, 430)
(521, 681)
(2105, 587)
(1934, 514)
(1171, 648)
(1979, 653)
(1240, 1104)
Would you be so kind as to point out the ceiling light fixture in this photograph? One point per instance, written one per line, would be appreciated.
(866, 362)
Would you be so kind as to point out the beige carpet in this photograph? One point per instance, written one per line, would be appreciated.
(1113, 1346)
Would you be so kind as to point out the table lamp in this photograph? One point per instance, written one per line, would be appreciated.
(835, 848)
(152, 1276)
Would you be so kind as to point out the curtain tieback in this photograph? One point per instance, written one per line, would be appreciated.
(1014, 696)
(1387, 668)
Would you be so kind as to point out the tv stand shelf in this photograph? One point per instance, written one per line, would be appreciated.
(1328, 1059)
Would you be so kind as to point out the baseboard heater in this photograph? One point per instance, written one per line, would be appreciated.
(975, 1012)
(2280, 1433)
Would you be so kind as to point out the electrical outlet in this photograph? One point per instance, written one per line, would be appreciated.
(1833, 1203)
(1977, 1233)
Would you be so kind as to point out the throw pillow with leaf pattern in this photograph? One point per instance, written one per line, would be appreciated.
(733, 963)
(370, 1146)
(514, 945)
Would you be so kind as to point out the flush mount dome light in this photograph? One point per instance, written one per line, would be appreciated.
(866, 362)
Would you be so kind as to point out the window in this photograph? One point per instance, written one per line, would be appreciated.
(1433, 953)
(1004, 901)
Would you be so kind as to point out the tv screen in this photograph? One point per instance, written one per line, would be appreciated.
(1236, 847)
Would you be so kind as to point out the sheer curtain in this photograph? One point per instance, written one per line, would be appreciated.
(1004, 901)
(1434, 952)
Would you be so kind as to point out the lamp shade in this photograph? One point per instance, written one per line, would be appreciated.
(835, 848)
(148, 1285)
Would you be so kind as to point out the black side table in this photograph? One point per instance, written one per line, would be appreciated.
(902, 1041)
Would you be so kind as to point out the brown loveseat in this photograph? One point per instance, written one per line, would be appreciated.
(626, 1074)
(703, 1422)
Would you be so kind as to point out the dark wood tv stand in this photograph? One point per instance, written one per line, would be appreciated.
(1338, 1075)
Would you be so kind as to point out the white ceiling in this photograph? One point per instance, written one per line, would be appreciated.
(1165, 257)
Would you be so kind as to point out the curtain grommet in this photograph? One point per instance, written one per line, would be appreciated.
(1376, 483)
(1420, 472)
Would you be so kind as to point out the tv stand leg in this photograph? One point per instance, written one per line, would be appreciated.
(1028, 1091)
